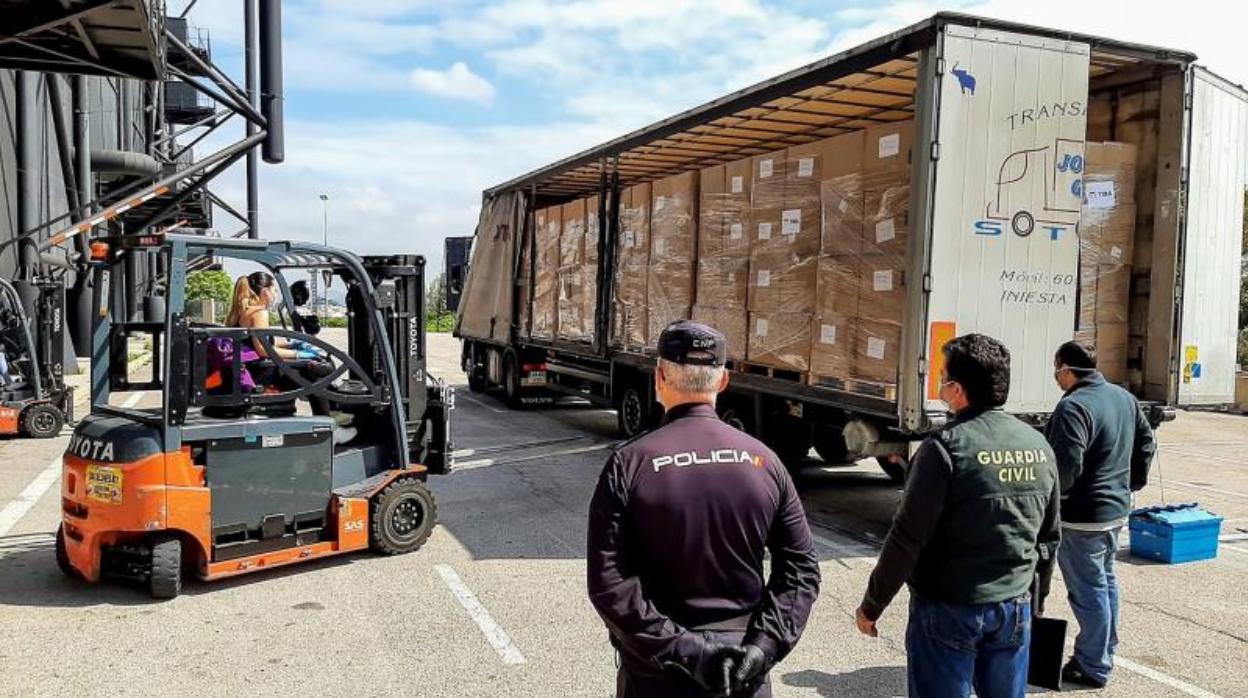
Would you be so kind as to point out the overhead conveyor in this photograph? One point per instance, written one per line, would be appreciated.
(113, 38)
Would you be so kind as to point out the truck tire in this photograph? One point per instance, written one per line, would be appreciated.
(165, 574)
(829, 443)
(895, 469)
(790, 438)
(42, 421)
(402, 517)
(512, 392)
(632, 415)
(476, 380)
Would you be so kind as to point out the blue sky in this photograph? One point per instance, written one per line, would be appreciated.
(404, 110)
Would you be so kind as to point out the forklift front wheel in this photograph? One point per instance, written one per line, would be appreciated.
(42, 421)
(403, 517)
(62, 556)
(165, 577)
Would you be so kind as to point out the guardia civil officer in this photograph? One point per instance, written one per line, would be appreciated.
(981, 499)
(677, 531)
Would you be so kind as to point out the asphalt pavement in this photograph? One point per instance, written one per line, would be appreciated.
(494, 604)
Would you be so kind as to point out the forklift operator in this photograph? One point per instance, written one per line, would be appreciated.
(678, 527)
(254, 294)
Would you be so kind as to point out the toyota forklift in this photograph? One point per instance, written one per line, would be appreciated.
(228, 475)
(34, 399)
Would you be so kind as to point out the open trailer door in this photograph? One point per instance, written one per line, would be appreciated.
(1007, 160)
(1217, 171)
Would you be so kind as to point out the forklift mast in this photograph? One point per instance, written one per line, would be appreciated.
(427, 401)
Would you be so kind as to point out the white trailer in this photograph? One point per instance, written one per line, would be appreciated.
(1002, 116)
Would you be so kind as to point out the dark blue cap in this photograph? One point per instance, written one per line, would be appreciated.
(688, 342)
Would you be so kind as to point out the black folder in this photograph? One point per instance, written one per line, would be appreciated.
(1048, 648)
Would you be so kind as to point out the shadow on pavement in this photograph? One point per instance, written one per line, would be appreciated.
(868, 682)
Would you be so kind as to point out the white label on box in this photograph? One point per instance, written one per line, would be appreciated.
(630, 238)
(766, 168)
(764, 278)
(827, 334)
(1100, 195)
(885, 230)
(875, 347)
(805, 167)
(791, 221)
(735, 232)
(760, 326)
(882, 280)
(890, 145)
(843, 206)
(1115, 252)
(660, 246)
(764, 231)
(738, 184)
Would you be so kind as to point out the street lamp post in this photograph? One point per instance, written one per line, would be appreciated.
(325, 241)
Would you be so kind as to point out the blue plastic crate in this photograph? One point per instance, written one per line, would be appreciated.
(1177, 533)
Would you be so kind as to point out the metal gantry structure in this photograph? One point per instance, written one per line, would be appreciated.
(170, 98)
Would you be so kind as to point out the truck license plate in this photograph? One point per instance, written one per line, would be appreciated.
(104, 484)
(534, 378)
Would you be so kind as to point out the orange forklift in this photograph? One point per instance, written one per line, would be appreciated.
(227, 475)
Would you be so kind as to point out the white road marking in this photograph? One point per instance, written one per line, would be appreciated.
(494, 633)
(486, 462)
(16, 509)
(1232, 548)
(1233, 537)
(469, 398)
(1151, 673)
(26, 500)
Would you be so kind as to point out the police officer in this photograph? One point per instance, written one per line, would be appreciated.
(678, 526)
(980, 502)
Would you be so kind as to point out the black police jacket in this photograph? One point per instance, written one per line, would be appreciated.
(678, 526)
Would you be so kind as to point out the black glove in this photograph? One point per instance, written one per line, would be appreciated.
(751, 665)
(713, 670)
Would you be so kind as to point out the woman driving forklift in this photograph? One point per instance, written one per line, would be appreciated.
(254, 295)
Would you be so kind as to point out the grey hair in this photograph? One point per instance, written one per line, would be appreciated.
(691, 378)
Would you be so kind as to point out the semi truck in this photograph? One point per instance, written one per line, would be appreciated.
(998, 219)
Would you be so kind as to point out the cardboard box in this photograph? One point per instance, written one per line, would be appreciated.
(808, 165)
(763, 228)
(673, 219)
(629, 322)
(1111, 350)
(1108, 235)
(723, 282)
(780, 339)
(767, 173)
(732, 322)
(589, 270)
(571, 304)
(794, 230)
(782, 282)
(738, 187)
(877, 348)
(1113, 293)
(711, 214)
(888, 147)
(633, 245)
(886, 220)
(832, 346)
(881, 289)
(841, 202)
(1109, 173)
(837, 290)
(548, 227)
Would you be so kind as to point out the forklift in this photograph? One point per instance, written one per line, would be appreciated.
(227, 475)
(34, 400)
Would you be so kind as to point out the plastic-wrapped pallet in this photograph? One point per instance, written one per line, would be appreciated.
(836, 315)
(732, 322)
(589, 269)
(1106, 252)
(547, 227)
(629, 328)
(571, 275)
(780, 340)
(881, 302)
(673, 240)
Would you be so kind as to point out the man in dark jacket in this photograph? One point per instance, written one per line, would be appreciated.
(1104, 446)
(677, 531)
(979, 510)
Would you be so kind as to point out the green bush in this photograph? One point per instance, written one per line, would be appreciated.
(440, 322)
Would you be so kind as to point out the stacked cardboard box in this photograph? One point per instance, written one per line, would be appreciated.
(571, 273)
(1106, 251)
(589, 268)
(629, 328)
(673, 245)
(724, 252)
(547, 228)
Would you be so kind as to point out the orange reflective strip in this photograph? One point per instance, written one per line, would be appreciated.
(941, 332)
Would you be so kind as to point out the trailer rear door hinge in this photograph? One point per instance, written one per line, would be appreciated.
(927, 283)
(935, 151)
(940, 65)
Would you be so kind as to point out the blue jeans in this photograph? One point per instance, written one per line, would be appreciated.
(954, 648)
(1087, 563)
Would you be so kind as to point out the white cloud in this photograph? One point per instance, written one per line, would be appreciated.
(456, 82)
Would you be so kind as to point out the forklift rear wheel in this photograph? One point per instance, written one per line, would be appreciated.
(404, 514)
(42, 421)
(165, 578)
(62, 556)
